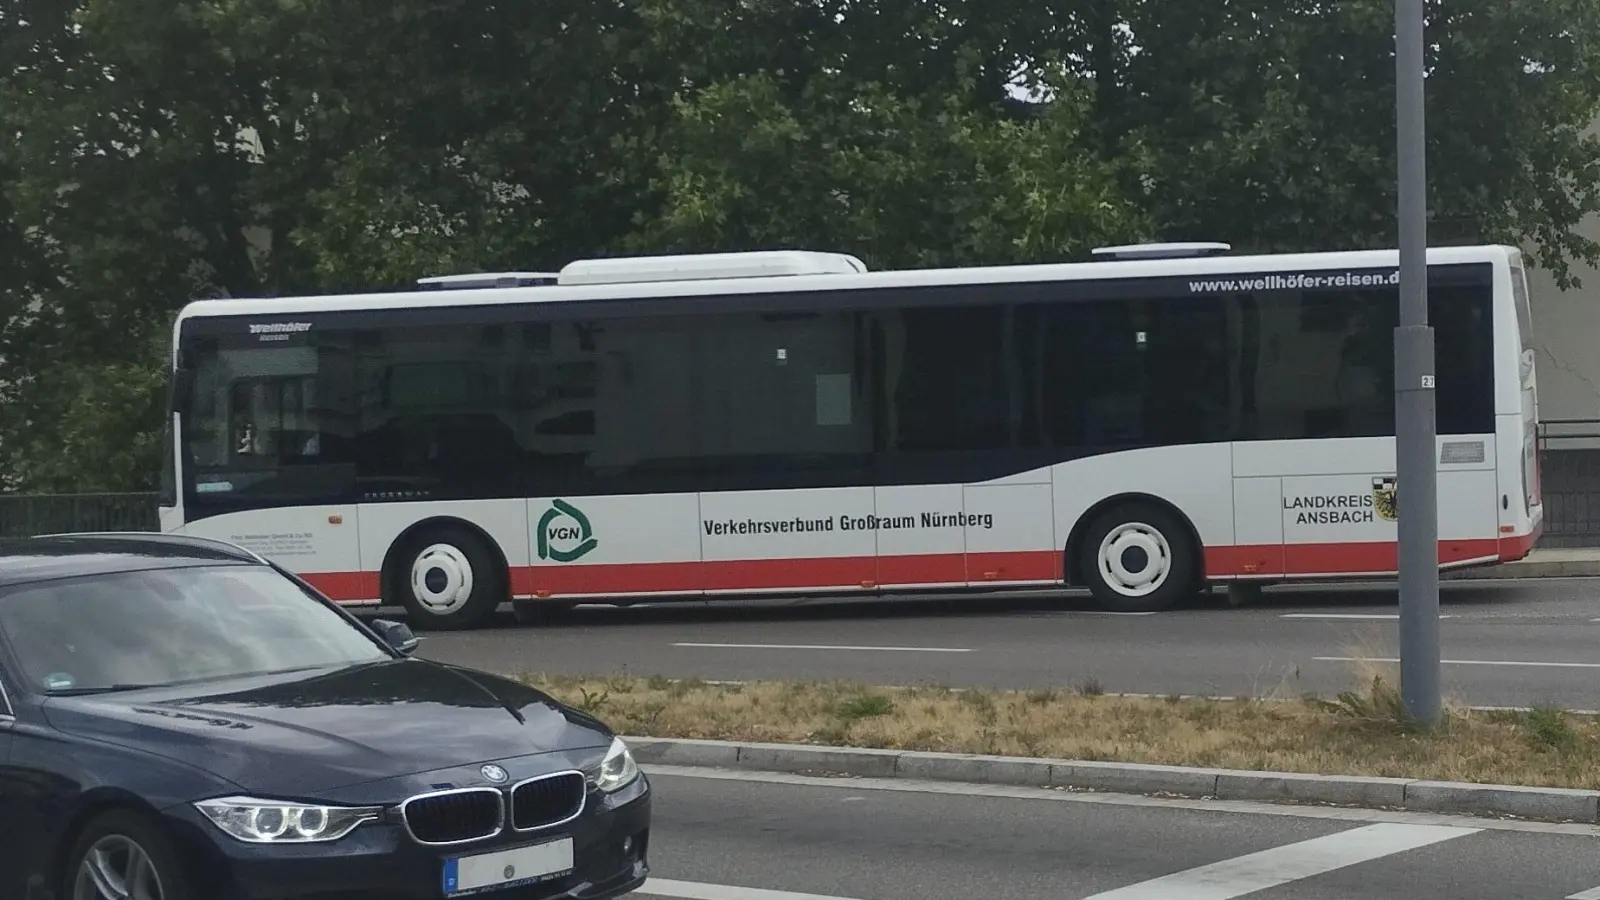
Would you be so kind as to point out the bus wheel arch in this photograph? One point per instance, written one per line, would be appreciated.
(448, 573)
(1140, 520)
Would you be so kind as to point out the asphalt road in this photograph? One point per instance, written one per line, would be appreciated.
(1505, 643)
(743, 836)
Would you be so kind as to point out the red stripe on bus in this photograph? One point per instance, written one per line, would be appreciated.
(1267, 560)
(932, 568)
(798, 574)
(344, 585)
(1515, 548)
(1363, 558)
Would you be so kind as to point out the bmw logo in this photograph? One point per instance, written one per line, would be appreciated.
(494, 774)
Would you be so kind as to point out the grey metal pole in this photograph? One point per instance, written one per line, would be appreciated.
(1416, 452)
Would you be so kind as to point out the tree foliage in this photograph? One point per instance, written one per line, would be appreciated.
(1270, 123)
(191, 148)
(900, 181)
(92, 425)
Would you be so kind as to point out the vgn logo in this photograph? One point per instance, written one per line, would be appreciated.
(564, 533)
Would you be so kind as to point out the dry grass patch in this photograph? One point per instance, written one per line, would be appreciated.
(1363, 732)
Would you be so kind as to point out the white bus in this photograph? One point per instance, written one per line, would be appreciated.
(1144, 425)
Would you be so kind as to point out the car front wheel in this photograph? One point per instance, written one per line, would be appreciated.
(121, 855)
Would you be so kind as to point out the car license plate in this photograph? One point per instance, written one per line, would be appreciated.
(507, 868)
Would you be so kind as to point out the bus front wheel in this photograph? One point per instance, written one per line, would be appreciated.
(1138, 557)
(449, 580)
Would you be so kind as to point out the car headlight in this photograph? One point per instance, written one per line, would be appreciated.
(280, 822)
(617, 770)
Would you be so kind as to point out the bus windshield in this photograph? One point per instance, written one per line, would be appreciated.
(267, 422)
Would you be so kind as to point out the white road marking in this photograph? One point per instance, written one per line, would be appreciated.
(1538, 664)
(694, 890)
(1590, 894)
(1281, 865)
(825, 647)
(1383, 616)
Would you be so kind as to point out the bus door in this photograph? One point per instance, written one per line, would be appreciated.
(780, 404)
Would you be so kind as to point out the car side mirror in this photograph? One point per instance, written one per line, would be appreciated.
(397, 635)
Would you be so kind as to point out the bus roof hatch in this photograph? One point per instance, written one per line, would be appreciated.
(1176, 250)
(478, 280)
(707, 266)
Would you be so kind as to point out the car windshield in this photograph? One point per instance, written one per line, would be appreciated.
(172, 626)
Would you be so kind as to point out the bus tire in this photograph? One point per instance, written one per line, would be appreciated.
(449, 579)
(1139, 557)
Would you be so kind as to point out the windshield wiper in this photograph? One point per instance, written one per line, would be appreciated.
(85, 691)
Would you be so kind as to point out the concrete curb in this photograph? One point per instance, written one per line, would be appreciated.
(1529, 568)
(1459, 798)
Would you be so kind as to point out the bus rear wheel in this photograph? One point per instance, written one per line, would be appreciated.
(449, 580)
(1138, 557)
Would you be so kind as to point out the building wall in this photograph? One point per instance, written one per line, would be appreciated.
(1566, 331)
(1566, 334)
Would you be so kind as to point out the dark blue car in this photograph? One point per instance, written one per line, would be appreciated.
(181, 720)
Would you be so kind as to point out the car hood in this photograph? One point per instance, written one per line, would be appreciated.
(313, 731)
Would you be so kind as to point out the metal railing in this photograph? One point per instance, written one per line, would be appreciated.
(1569, 468)
(22, 515)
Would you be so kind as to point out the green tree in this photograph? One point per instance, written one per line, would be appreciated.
(900, 181)
(1270, 123)
(171, 151)
(86, 426)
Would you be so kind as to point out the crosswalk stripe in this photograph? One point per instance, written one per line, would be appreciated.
(1590, 894)
(1280, 865)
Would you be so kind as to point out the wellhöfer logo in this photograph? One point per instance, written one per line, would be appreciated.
(565, 533)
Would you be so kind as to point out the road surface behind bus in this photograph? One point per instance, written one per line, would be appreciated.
(1506, 643)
